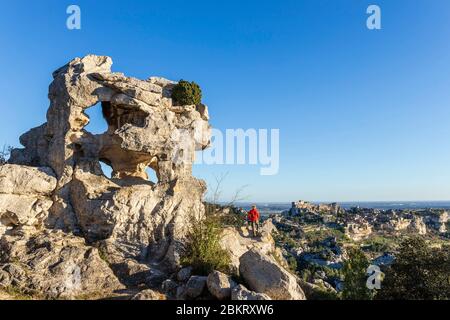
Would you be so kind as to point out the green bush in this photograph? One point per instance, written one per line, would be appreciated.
(292, 262)
(186, 93)
(419, 272)
(322, 293)
(306, 274)
(355, 276)
(203, 250)
(379, 244)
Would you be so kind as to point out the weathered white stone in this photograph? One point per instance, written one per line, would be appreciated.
(220, 285)
(129, 217)
(24, 180)
(149, 294)
(240, 292)
(418, 226)
(53, 264)
(238, 242)
(17, 210)
(264, 275)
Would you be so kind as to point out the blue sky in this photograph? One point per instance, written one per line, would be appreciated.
(363, 115)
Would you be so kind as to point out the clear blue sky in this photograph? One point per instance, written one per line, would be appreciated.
(363, 115)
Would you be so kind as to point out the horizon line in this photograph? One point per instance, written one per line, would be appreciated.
(350, 201)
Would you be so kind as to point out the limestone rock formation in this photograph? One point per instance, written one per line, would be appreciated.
(418, 225)
(264, 275)
(56, 182)
(69, 231)
(148, 294)
(54, 265)
(358, 231)
(242, 293)
(254, 260)
(24, 196)
(238, 242)
(220, 285)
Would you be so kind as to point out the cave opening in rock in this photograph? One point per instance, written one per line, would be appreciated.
(152, 175)
(106, 169)
(98, 122)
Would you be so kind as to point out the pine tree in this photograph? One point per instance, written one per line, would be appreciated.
(355, 277)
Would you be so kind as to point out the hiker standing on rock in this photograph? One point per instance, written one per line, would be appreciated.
(253, 218)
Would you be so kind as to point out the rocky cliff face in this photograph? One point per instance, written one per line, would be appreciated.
(56, 181)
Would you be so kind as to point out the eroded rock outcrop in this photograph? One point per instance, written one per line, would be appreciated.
(53, 265)
(261, 264)
(25, 196)
(264, 275)
(238, 242)
(220, 285)
(242, 293)
(56, 182)
(68, 231)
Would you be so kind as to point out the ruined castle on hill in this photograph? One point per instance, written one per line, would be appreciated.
(359, 223)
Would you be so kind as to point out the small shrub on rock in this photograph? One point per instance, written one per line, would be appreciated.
(203, 250)
(186, 93)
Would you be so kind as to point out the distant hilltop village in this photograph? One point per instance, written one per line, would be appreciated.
(316, 238)
(359, 223)
(304, 206)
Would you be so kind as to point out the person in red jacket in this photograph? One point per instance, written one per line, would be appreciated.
(253, 218)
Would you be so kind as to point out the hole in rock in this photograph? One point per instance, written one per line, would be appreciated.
(152, 175)
(97, 119)
(107, 169)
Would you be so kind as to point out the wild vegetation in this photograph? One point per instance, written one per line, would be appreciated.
(420, 272)
(355, 276)
(4, 154)
(187, 93)
(203, 250)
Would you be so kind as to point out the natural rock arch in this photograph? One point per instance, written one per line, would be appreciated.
(127, 214)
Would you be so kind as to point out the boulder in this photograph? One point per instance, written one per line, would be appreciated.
(325, 285)
(264, 275)
(195, 286)
(181, 292)
(17, 210)
(220, 285)
(169, 286)
(25, 196)
(184, 274)
(131, 272)
(240, 292)
(25, 180)
(317, 290)
(149, 294)
(54, 265)
(238, 241)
